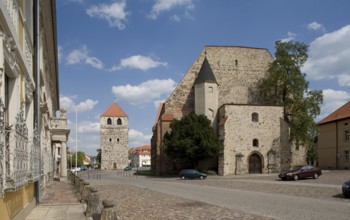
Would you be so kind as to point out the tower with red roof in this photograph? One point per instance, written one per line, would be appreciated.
(114, 138)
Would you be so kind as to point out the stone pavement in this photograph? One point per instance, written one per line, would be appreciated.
(59, 202)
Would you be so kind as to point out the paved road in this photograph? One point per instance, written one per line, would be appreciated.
(272, 205)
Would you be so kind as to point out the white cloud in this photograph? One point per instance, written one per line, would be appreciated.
(138, 62)
(329, 57)
(88, 127)
(69, 104)
(59, 53)
(316, 26)
(114, 13)
(145, 92)
(158, 102)
(291, 36)
(167, 5)
(136, 138)
(82, 56)
(332, 100)
(175, 18)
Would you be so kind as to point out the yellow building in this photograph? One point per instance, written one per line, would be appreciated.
(334, 139)
(32, 139)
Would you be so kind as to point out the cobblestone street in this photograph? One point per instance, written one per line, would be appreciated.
(142, 203)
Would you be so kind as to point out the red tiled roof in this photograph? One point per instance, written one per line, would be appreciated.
(114, 111)
(167, 117)
(143, 150)
(339, 114)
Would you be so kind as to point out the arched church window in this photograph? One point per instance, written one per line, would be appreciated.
(119, 121)
(255, 143)
(255, 117)
(109, 121)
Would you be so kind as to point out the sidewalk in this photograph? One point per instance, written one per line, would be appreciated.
(58, 202)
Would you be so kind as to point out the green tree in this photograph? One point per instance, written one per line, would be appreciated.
(286, 85)
(191, 139)
(98, 157)
(80, 159)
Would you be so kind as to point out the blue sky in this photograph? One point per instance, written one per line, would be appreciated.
(136, 51)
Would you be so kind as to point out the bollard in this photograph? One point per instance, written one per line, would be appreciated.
(81, 186)
(93, 207)
(86, 192)
(108, 212)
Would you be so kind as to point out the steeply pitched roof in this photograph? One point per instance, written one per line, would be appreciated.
(339, 114)
(205, 73)
(114, 111)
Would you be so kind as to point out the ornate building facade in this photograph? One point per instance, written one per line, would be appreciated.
(32, 139)
(222, 84)
(114, 129)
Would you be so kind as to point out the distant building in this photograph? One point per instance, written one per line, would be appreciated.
(222, 85)
(140, 156)
(334, 139)
(114, 138)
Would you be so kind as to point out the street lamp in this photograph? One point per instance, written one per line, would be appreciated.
(76, 141)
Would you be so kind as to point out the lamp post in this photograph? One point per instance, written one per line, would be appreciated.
(76, 141)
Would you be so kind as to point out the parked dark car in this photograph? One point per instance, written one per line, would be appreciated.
(192, 174)
(346, 189)
(127, 168)
(301, 172)
(83, 168)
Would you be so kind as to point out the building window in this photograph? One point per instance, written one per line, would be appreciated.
(236, 62)
(346, 156)
(210, 89)
(346, 136)
(119, 121)
(255, 117)
(109, 121)
(118, 140)
(110, 140)
(255, 143)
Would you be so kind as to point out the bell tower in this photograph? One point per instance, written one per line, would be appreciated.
(114, 138)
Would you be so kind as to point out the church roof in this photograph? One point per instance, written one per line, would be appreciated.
(114, 111)
(339, 114)
(205, 73)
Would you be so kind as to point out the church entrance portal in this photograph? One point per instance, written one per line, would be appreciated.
(255, 163)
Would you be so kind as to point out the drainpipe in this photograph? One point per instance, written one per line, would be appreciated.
(36, 40)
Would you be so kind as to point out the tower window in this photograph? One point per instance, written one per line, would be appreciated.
(255, 143)
(236, 63)
(118, 140)
(110, 140)
(255, 117)
(109, 121)
(119, 121)
(210, 89)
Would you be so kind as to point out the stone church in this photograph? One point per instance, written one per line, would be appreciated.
(114, 130)
(222, 84)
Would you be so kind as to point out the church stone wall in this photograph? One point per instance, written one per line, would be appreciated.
(239, 131)
(236, 69)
